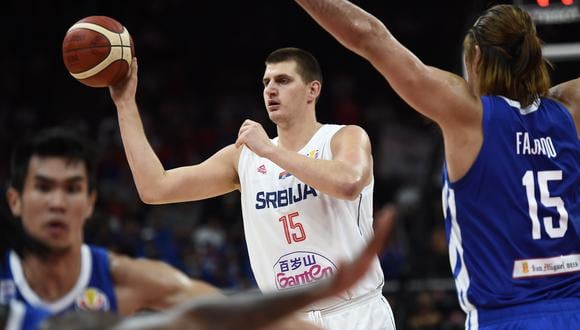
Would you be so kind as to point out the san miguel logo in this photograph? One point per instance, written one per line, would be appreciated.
(300, 268)
(525, 267)
(92, 299)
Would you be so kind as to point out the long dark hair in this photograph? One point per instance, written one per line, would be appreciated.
(511, 62)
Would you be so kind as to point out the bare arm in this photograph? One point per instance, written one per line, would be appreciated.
(568, 93)
(417, 83)
(148, 284)
(343, 177)
(215, 176)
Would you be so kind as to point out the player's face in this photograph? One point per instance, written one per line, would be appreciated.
(54, 202)
(285, 93)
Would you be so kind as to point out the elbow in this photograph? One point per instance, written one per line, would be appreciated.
(368, 35)
(351, 190)
(148, 196)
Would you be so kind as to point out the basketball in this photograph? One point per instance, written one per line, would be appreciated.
(97, 51)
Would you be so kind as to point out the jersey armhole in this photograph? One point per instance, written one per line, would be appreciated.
(487, 105)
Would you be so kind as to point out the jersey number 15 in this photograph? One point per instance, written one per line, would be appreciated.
(547, 201)
(293, 230)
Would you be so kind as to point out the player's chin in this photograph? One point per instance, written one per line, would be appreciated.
(275, 116)
(57, 245)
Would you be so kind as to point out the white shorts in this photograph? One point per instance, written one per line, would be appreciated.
(368, 312)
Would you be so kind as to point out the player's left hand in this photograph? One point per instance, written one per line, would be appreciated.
(253, 135)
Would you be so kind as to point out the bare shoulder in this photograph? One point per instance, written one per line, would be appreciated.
(125, 269)
(121, 266)
(122, 263)
(351, 133)
(351, 139)
(568, 93)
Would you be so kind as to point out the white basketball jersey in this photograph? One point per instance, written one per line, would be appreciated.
(297, 235)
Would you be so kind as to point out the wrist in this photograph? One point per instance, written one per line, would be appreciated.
(125, 104)
(270, 152)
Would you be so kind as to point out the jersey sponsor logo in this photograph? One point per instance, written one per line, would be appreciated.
(530, 146)
(546, 266)
(300, 268)
(7, 291)
(92, 299)
(285, 197)
(284, 175)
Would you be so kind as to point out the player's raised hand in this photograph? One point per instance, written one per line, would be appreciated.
(253, 135)
(124, 91)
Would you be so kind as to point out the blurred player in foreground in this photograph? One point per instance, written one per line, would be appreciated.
(46, 264)
(244, 311)
(511, 194)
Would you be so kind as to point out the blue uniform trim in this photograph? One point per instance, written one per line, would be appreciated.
(101, 275)
(94, 289)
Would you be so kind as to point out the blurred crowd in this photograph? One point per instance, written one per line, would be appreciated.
(196, 88)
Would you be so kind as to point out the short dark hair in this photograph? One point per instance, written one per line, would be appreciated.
(306, 64)
(54, 142)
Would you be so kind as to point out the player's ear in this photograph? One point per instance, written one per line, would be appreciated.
(314, 90)
(477, 55)
(14, 201)
(91, 204)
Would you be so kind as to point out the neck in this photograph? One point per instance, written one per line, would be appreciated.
(293, 135)
(52, 277)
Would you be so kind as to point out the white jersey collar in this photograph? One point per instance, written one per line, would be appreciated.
(525, 111)
(61, 304)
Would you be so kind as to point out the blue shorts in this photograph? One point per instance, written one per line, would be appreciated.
(556, 314)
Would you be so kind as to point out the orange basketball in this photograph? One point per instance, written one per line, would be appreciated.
(97, 51)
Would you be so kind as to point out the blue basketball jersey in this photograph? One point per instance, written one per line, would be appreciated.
(513, 221)
(93, 291)
(24, 317)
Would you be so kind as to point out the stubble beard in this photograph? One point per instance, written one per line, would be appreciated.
(27, 244)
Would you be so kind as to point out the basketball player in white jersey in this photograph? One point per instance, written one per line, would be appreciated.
(306, 194)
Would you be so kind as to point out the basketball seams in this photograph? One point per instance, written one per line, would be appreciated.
(117, 42)
(110, 35)
(94, 51)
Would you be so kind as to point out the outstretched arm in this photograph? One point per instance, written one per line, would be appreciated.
(143, 284)
(255, 311)
(215, 176)
(439, 95)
